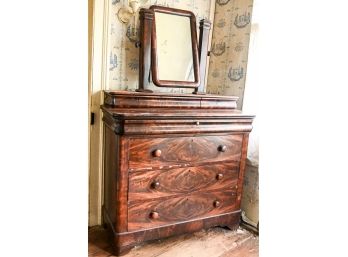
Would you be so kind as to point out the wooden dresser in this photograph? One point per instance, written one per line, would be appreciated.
(173, 164)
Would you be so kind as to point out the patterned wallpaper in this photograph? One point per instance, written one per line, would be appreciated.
(229, 48)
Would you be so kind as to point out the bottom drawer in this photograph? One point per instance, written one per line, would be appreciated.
(159, 212)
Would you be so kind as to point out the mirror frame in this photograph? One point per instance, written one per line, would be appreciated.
(154, 55)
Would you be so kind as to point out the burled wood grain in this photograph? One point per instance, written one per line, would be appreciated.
(179, 209)
(183, 151)
(182, 181)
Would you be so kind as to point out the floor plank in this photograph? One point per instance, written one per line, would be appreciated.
(214, 242)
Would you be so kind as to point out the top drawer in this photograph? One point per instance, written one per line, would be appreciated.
(146, 153)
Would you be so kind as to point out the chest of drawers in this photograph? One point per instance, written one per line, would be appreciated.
(172, 164)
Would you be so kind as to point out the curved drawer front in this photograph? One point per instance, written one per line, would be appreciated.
(159, 183)
(146, 153)
(154, 213)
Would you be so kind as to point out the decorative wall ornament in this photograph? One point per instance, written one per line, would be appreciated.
(134, 64)
(241, 21)
(163, 3)
(221, 23)
(132, 32)
(218, 49)
(222, 2)
(239, 47)
(236, 74)
(215, 73)
(125, 13)
(113, 61)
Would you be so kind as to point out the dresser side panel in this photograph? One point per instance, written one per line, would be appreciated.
(242, 168)
(115, 180)
(110, 174)
(122, 185)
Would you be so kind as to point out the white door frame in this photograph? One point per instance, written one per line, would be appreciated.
(98, 23)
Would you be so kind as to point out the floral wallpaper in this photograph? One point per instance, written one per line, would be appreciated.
(229, 49)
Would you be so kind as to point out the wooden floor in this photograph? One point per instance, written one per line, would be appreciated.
(214, 242)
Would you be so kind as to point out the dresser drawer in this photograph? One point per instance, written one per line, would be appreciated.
(161, 183)
(146, 153)
(159, 212)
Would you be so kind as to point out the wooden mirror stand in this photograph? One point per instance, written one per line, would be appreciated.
(146, 52)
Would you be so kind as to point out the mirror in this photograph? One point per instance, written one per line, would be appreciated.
(174, 49)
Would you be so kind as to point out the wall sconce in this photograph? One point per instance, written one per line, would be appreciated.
(126, 13)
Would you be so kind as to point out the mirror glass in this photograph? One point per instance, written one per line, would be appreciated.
(174, 47)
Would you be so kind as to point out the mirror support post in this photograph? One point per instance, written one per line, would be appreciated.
(146, 19)
(204, 29)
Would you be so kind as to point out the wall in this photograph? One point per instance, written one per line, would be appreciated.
(229, 49)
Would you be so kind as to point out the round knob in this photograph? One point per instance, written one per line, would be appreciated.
(216, 203)
(222, 148)
(197, 123)
(219, 176)
(155, 184)
(157, 153)
(154, 215)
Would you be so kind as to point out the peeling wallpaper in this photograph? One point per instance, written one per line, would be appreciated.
(229, 49)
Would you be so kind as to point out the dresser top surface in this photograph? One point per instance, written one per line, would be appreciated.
(130, 103)
(123, 93)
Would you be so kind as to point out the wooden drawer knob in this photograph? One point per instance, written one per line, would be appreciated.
(219, 176)
(154, 215)
(155, 184)
(157, 153)
(216, 203)
(222, 148)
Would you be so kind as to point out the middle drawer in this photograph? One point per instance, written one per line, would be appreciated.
(161, 183)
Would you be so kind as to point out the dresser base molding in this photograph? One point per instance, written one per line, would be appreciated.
(123, 242)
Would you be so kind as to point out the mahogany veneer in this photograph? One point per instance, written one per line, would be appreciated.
(173, 164)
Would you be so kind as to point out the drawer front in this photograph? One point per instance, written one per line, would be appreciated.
(154, 213)
(147, 153)
(160, 183)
